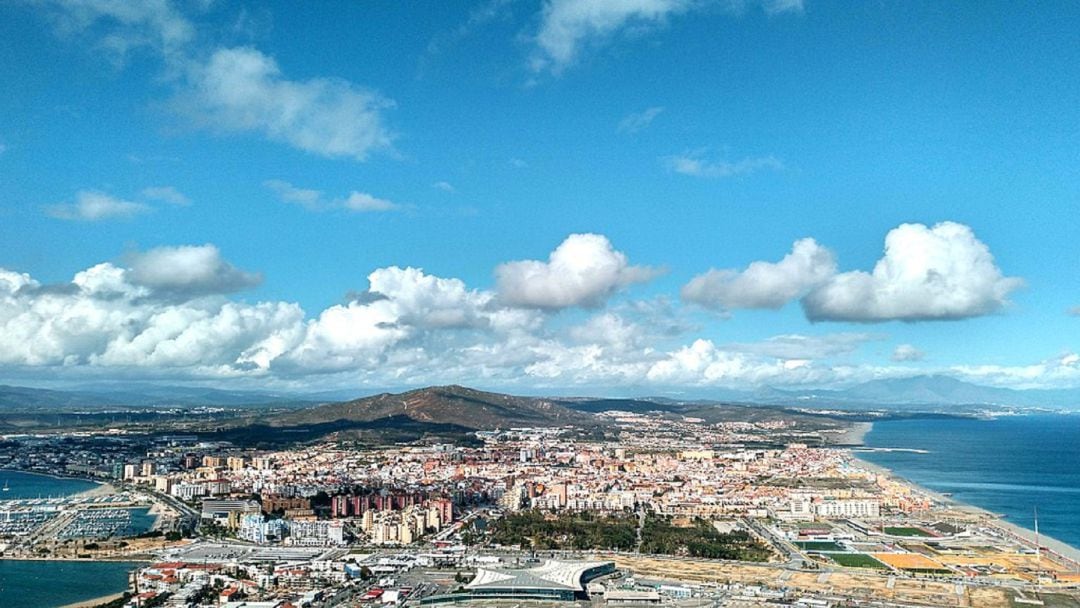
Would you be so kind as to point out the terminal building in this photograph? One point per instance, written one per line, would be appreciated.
(554, 580)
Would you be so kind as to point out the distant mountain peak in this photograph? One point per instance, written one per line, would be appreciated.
(452, 404)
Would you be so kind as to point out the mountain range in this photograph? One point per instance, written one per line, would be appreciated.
(932, 393)
(103, 396)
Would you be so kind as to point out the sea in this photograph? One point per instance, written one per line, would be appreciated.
(50, 584)
(32, 485)
(1009, 465)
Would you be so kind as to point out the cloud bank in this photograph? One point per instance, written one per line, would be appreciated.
(936, 273)
(167, 313)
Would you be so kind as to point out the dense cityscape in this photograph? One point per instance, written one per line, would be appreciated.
(539, 304)
(654, 509)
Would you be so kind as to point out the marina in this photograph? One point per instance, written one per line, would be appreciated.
(97, 513)
(96, 523)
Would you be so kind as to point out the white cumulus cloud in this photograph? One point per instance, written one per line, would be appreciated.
(188, 270)
(165, 314)
(703, 363)
(764, 284)
(927, 273)
(94, 206)
(101, 319)
(1061, 370)
(242, 89)
(402, 305)
(584, 270)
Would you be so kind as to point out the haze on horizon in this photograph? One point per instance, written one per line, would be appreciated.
(564, 195)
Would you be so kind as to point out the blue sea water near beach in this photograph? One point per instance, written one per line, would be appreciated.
(1009, 465)
(31, 485)
(48, 584)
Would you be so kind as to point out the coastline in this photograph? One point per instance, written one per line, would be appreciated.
(95, 601)
(133, 558)
(853, 436)
(56, 476)
(64, 583)
(1061, 550)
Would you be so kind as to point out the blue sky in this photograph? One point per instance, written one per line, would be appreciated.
(227, 177)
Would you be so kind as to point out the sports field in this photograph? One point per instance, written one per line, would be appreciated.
(856, 560)
(910, 561)
(819, 545)
(906, 531)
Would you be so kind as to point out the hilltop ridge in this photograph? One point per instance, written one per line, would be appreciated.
(453, 404)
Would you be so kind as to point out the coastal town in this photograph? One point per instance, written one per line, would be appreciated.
(657, 509)
(539, 304)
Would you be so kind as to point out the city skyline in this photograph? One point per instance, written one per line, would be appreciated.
(663, 195)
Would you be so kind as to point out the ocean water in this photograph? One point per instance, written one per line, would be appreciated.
(141, 521)
(48, 584)
(42, 584)
(30, 485)
(1010, 465)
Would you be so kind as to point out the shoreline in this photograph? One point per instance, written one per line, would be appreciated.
(97, 601)
(56, 476)
(1061, 550)
(853, 436)
(133, 558)
(101, 596)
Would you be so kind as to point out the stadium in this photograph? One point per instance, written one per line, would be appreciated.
(554, 580)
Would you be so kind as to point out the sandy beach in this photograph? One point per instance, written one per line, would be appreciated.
(102, 489)
(854, 435)
(94, 602)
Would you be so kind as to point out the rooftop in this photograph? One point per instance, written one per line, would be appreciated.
(553, 574)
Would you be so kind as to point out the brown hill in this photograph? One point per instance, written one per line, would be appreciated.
(455, 405)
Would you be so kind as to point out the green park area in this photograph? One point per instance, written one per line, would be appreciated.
(658, 535)
(699, 538)
(540, 530)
